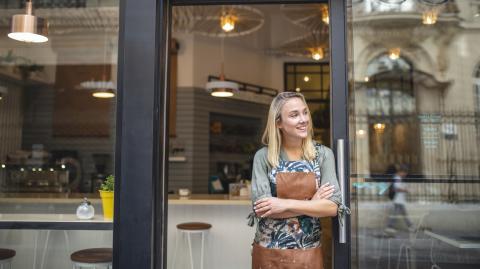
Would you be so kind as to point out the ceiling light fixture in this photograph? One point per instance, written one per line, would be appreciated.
(221, 87)
(379, 127)
(306, 78)
(104, 93)
(317, 53)
(325, 14)
(104, 88)
(297, 89)
(429, 17)
(227, 22)
(27, 27)
(394, 53)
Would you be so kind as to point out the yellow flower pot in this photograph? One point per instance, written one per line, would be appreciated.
(107, 203)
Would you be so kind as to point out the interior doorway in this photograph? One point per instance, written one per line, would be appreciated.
(262, 50)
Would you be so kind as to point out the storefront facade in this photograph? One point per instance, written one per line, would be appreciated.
(402, 90)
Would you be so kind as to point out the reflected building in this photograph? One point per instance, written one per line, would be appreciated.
(415, 72)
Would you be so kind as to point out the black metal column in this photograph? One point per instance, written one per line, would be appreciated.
(140, 136)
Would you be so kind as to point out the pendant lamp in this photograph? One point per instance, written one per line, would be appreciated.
(27, 27)
(104, 93)
(104, 88)
(221, 87)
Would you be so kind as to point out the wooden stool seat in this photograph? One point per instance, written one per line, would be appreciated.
(194, 226)
(6, 254)
(92, 255)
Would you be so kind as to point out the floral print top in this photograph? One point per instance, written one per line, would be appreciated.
(296, 232)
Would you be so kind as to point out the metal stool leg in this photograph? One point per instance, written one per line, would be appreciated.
(202, 250)
(45, 249)
(176, 249)
(189, 235)
(35, 247)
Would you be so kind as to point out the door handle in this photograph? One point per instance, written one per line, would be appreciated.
(342, 233)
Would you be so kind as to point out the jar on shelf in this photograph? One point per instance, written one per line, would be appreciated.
(85, 210)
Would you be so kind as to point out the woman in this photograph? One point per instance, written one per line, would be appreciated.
(293, 185)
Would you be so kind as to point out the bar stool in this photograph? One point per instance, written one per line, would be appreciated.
(187, 229)
(92, 257)
(6, 257)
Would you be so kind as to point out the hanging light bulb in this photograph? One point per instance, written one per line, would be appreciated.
(379, 127)
(429, 17)
(227, 22)
(394, 53)
(27, 27)
(306, 78)
(317, 53)
(325, 14)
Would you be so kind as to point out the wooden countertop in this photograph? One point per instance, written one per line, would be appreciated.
(208, 199)
(76, 198)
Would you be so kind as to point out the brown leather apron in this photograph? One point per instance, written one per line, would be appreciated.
(298, 186)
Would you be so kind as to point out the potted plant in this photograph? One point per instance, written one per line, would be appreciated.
(106, 193)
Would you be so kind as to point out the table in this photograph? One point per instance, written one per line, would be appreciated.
(452, 240)
(53, 222)
(456, 241)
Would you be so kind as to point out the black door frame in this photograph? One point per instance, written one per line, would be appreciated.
(140, 224)
(141, 120)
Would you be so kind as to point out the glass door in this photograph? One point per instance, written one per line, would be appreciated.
(414, 108)
(267, 49)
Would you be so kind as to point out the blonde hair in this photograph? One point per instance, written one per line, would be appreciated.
(272, 136)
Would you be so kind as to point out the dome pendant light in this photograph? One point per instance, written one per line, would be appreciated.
(222, 88)
(27, 27)
(104, 93)
(104, 88)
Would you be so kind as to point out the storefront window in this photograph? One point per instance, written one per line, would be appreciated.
(57, 126)
(414, 152)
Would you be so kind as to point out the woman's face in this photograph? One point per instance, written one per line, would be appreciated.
(294, 119)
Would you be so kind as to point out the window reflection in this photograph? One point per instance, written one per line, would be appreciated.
(413, 63)
(57, 135)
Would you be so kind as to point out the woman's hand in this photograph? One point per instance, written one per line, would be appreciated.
(324, 192)
(270, 206)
